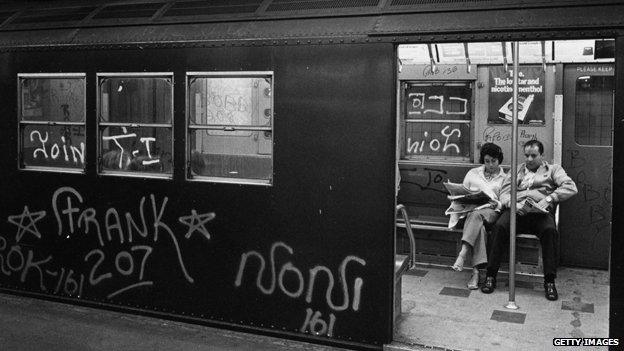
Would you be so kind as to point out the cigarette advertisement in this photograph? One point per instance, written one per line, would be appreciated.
(530, 96)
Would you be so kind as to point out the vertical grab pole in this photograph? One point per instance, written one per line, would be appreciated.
(544, 56)
(504, 47)
(431, 59)
(514, 181)
(467, 57)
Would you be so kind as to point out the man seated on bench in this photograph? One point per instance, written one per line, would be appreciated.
(540, 187)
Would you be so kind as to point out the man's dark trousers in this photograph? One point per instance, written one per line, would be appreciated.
(541, 224)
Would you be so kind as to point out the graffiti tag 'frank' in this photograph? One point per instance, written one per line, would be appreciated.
(77, 154)
(70, 217)
(124, 266)
(277, 279)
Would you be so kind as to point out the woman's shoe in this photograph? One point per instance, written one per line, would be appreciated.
(489, 285)
(459, 264)
(473, 283)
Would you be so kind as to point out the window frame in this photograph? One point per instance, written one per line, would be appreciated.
(227, 127)
(404, 121)
(101, 125)
(21, 124)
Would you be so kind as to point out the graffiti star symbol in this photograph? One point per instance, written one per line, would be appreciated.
(196, 222)
(25, 223)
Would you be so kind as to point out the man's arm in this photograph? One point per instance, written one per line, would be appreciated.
(505, 192)
(566, 188)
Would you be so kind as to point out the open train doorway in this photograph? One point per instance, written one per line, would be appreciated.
(454, 98)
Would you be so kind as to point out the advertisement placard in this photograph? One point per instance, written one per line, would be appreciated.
(530, 96)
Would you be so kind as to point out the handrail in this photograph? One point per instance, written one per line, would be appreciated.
(410, 234)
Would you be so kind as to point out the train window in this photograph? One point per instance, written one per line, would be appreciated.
(135, 113)
(52, 121)
(436, 121)
(594, 110)
(230, 127)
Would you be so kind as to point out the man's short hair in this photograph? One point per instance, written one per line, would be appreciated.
(534, 142)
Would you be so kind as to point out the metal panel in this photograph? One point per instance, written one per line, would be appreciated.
(5, 15)
(260, 30)
(199, 8)
(146, 10)
(512, 19)
(45, 38)
(616, 259)
(358, 25)
(53, 15)
(455, 3)
(196, 248)
(558, 129)
(294, 5)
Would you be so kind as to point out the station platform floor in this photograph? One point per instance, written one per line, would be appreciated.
(28, 324)
(439, 312)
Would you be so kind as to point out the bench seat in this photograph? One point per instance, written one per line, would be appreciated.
(528, 253)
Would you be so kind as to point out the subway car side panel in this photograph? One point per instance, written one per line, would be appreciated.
(309, 254)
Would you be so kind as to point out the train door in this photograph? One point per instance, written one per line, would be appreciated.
(585, 220)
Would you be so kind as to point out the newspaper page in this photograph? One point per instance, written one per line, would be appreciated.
(464, 200)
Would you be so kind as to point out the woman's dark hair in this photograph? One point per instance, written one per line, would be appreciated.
(491, 150)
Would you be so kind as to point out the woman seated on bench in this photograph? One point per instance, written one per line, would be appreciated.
(489, 179)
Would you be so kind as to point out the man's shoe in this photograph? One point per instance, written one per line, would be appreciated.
(551, 291)
(489, 285)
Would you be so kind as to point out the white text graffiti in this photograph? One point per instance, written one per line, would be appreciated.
(126, 245)
(288, 267)
(434, 144)
(418, 105)
(124, 155)
(77, 154)
(316, 325)
(124, 264)
(297, 288)
(13, 260)
(71, 216)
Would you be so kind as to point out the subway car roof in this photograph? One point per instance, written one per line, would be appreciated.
(37, 23)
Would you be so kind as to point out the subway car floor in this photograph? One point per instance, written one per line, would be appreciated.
(439, 311)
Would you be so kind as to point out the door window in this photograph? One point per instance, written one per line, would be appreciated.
(594, 110)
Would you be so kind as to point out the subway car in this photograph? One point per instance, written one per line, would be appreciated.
(239, 164)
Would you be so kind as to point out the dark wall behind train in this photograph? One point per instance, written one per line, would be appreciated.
(327, 219)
